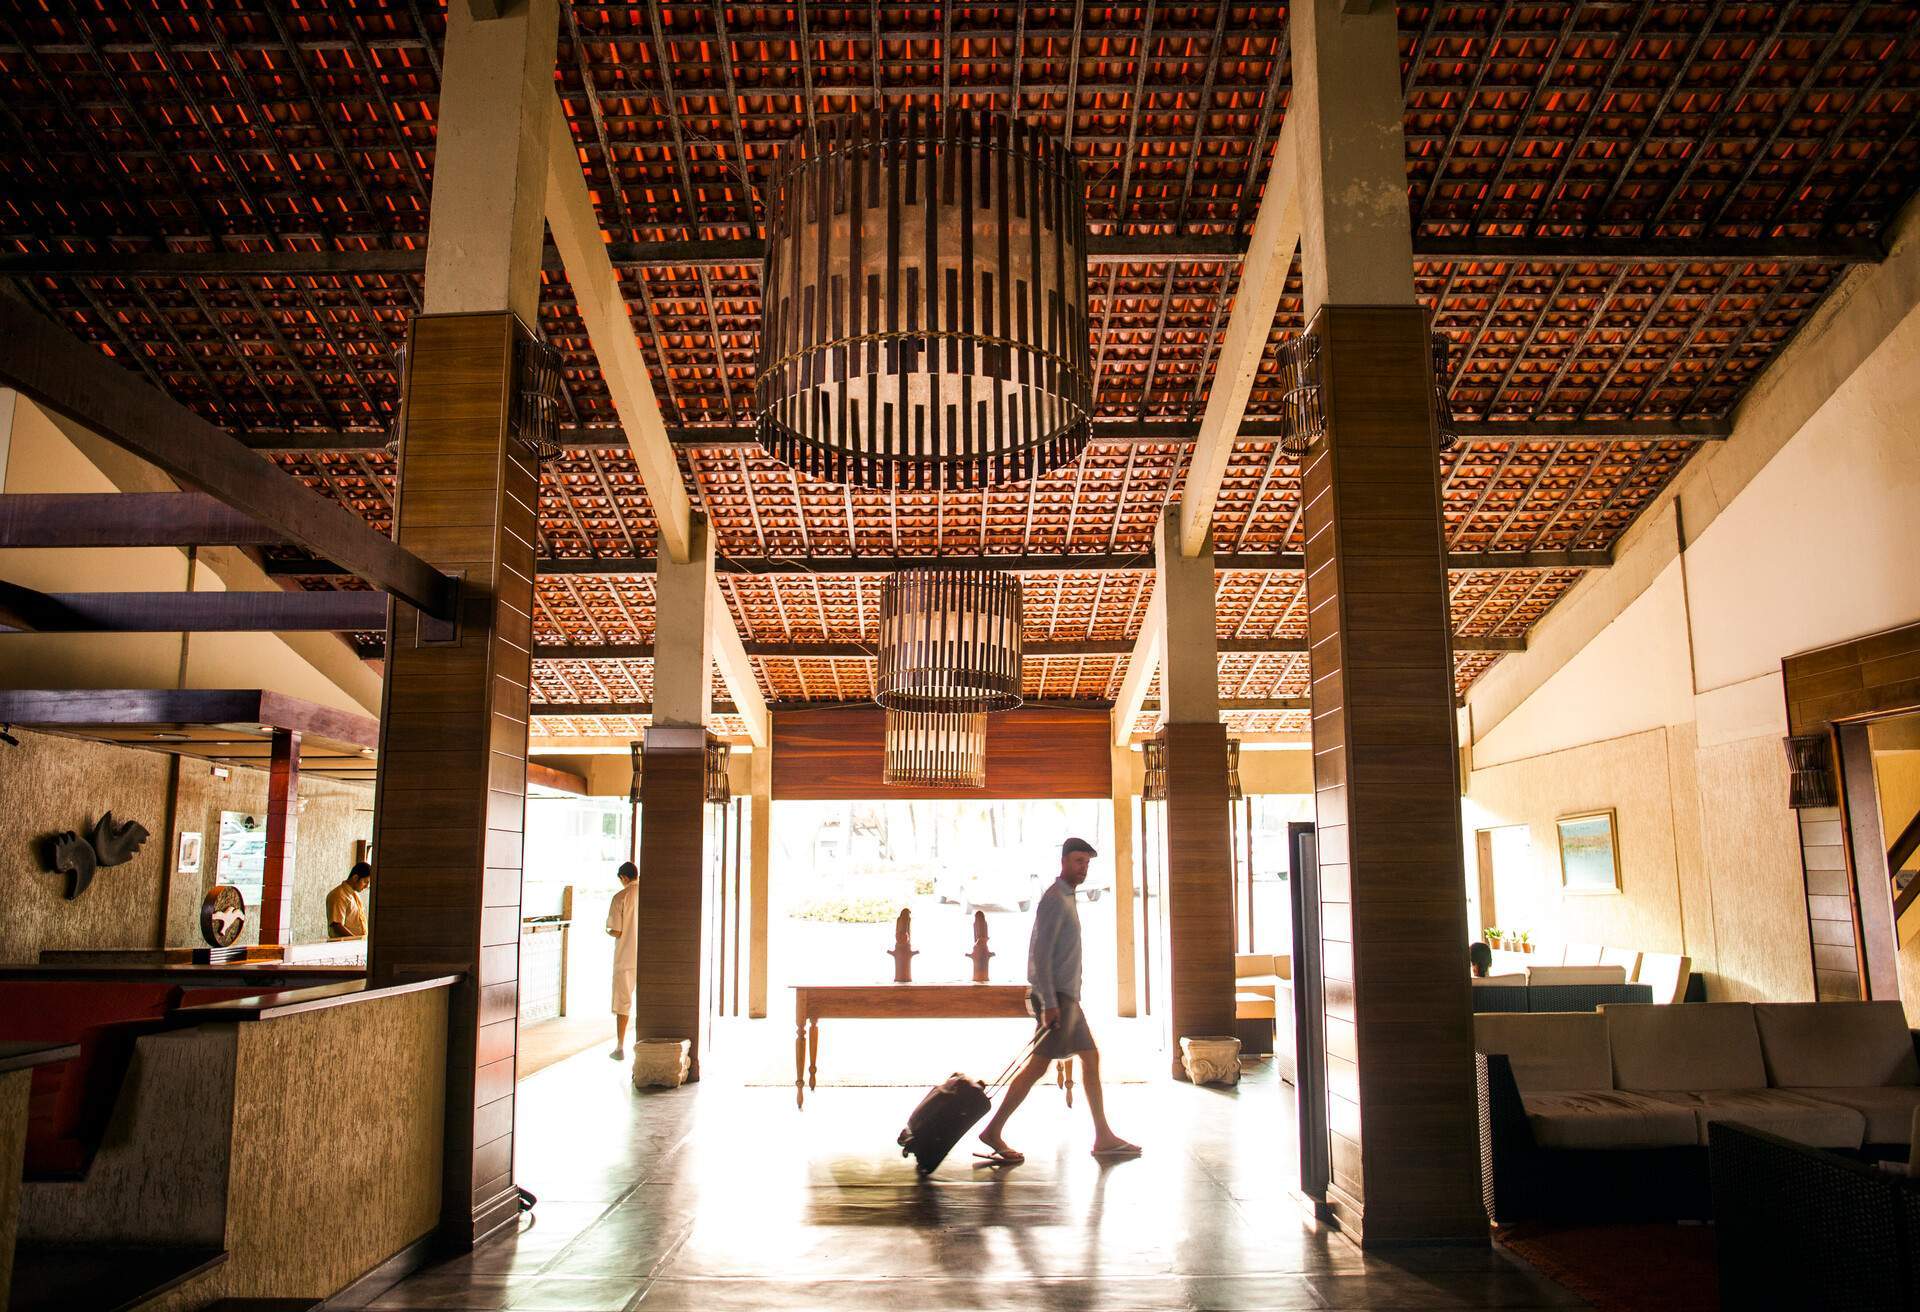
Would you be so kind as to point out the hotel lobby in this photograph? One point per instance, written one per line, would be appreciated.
(616, 618)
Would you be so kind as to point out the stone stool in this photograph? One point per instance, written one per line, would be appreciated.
(1211, 1058)
(661, 1063)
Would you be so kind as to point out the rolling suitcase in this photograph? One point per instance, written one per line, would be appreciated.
(949, 1110)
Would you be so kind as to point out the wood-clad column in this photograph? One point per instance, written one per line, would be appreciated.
(1393, 895)
(450, 811)
(1401, 1115)
(673, 801)
(283, 839)
(1199, 857)
(1124, 764)
(760, 823)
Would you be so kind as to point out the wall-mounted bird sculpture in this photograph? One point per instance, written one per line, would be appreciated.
(109, 844)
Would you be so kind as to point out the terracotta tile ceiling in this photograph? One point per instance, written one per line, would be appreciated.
(1622, 212)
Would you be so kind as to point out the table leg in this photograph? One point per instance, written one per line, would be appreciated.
(800, 1063)
(813, 1054)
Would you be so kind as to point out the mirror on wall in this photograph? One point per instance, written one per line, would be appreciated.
(241, 858)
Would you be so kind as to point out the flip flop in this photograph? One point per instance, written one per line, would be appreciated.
(1000, 1159)
(1123, 1150)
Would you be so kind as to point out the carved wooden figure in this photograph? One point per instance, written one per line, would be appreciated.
(902, 952)
(980, 954)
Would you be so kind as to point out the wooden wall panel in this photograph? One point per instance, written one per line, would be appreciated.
(834, 754)
(671, 983)
(451, 802)
(1198, 885)
(1401, 1106)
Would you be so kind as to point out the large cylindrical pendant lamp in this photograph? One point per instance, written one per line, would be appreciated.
(949, 641)
(925, 305)
(935, 750)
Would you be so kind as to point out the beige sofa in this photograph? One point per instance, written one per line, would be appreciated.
(1667, 974)
(1606, 1114)
(1263, 1005)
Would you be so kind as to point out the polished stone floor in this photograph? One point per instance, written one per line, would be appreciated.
(720, 1197)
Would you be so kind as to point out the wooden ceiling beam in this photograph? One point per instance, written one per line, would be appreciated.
(1101, 249)
(602, 437)
(1129, 647)
(128, 519)
(23, 610)
(1276, 236)
(575, 226)
(1282, 561)
(65, 374)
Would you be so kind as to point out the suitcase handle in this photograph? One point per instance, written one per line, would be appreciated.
(1033, 1046)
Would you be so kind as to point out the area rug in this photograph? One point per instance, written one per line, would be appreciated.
(1623, 1268)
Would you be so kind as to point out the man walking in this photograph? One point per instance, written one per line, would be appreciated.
(1053, 978)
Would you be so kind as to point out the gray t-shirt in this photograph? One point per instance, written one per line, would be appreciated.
(1053, 953)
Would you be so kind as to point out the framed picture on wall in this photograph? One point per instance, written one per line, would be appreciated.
(1589, 859)
(188, 862)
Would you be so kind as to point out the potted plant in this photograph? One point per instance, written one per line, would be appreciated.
(1493, 938)
(1526, 940)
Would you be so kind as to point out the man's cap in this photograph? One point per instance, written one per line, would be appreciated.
(1073, 845)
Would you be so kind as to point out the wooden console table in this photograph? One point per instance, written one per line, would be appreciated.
(814, 1003)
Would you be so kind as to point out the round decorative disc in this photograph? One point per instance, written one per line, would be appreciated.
(223, 915)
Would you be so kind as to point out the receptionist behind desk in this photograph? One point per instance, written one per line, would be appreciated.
(347, 903)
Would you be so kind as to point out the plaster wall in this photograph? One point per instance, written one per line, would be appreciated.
(48, 784)
(336, 1148)
(1654, 688)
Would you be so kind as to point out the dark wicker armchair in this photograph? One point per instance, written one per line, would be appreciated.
(1799, 1227)
(1520, 1181)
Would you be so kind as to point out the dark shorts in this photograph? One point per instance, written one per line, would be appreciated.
(1071, 1035)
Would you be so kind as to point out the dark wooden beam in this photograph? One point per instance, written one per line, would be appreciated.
(640, 651)
(723, 437)
(1101, 249)
(65, 374)
(1250, 561)
(24, 610)
(143, 707)
(128, 519)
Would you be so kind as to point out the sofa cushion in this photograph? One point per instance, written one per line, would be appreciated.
(1581, 954)
(1252, 963)
(1513, 981)
(1576, 975)
(1840, 1044)
(1550, 1052)
(1608, 1118)
(1628, 959)
(1705, 1045)
(1889, 1108)
(1253, 1006)
(1790, 1115)
(1667, 974)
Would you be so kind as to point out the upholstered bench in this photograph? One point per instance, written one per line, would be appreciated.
(1607, 1116)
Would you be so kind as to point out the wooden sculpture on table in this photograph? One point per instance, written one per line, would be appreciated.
(902, 952)
(980, 954)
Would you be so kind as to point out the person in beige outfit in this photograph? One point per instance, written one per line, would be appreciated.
(623, 924)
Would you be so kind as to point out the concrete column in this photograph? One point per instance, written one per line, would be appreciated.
(1126, 796)
(283, 839)
(682, 633)
(1199, 875)
(1401, 1109)
(450, 812)
(1356, 242)
(487, 225)
(760, 763)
